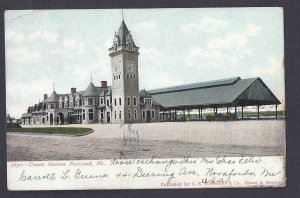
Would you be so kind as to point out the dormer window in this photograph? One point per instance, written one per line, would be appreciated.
(130, 46)
(148, 101)
(90, 101)
(115, 46)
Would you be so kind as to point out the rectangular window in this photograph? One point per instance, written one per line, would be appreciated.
(90, 101)
(128, 101)
(135, 112)
(101, 115)
(144, 114)
(130, 76)
(120, 101)
(127, 76)
(115, 115)
(101, 101)
(134, 101)
(107, 102)
(91, 114)
(83, 114)
(115, 101)
(152, 114)
(52, 106)
(148, 101)
(120, 115)
(129, 115)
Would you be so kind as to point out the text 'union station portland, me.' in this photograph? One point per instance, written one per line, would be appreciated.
(123, 102)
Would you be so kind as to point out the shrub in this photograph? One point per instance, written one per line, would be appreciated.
(13, 125)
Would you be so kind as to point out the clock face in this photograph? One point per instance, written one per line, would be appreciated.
(115, 65)
(130, 67)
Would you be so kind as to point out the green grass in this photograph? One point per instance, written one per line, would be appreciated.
(52, 130)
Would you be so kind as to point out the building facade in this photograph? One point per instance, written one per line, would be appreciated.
(122, 102)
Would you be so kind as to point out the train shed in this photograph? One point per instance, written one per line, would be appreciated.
(225, 93)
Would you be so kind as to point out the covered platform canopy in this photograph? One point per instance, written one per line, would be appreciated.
(231, 92)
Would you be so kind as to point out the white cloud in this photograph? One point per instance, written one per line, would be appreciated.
(43, 35)
(251, 30)
(12, 36)
(232, 46)
(28, 93)
(69, 47)
(205, 24)
(274, 68)
(108, 43)
(146, 25)
(40, 35)
(159, 80)
(22, 55)
(197, 54)
(150, 54)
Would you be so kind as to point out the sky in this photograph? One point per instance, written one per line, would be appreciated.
(177, 46)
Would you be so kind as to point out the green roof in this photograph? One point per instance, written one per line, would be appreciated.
(226, 92)
(211, 83)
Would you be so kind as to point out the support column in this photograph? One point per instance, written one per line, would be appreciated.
(170, 113)
(235, 113)
(276, 113)
(163, 116)
(199, 114)
(242, 112)
(227, 111)
(188, 114)
(258, 111)
(184, 115)
(175, 115)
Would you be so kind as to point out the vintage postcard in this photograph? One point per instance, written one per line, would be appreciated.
(145, 98)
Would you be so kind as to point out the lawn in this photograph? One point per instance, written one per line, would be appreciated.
(52, 130)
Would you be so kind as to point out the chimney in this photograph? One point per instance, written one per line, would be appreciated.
(73, 90)
(45, 96)
(104, 84)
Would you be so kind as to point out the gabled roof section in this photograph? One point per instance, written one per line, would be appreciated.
(206, 84)
(26, 115)
(257, 93)
(144, 94)
(52, 98)
(251, 91)
(123, 32)
(90, 91)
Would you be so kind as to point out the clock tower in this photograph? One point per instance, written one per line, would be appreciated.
(125, 79)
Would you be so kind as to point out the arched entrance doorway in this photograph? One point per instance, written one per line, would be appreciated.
(60, 118)
(43, 120)
(148, 115)
(51, 118)
(108, 117)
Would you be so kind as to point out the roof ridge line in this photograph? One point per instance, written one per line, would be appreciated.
(164, 89)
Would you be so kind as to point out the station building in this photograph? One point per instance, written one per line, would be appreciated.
(124, 102)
